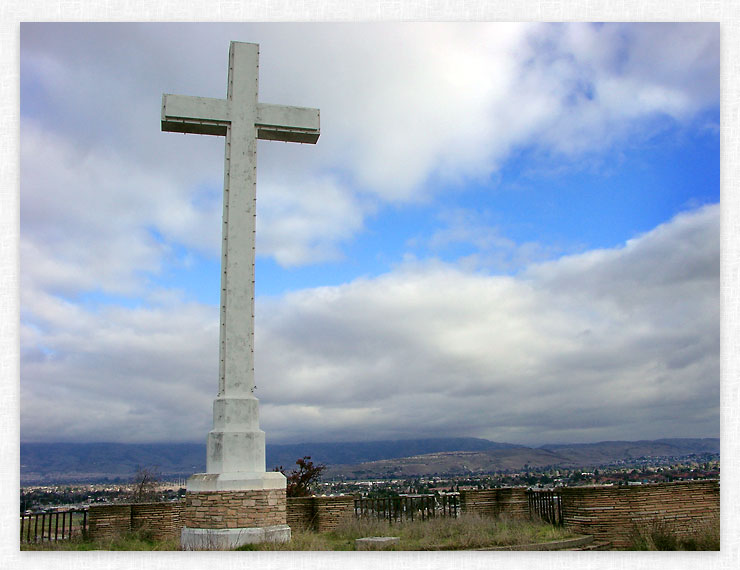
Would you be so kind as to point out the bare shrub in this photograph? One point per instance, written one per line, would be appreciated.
(145, 484)
(302, 481)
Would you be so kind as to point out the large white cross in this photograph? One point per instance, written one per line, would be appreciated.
(234, 444)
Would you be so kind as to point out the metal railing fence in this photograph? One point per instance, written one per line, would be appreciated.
(408, 507)
(54, 525)
(547, 505)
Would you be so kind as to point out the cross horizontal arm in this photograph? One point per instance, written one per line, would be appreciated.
(288, 124)
(200, 115)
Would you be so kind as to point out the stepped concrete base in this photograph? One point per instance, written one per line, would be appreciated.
(230, 538)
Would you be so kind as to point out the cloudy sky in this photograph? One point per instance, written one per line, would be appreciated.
(504, 231)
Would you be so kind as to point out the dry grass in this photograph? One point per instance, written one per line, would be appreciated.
(464, 533)
(659, 536)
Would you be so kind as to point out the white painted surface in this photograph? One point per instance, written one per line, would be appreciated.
(237, 481)
(236, 445)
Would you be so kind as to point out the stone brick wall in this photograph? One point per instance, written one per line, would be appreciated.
(300, 513)
(235, 509)
(105, 522)
(614, 513)
(332, 511)
(163, 521)
(319, 514)
(510, 501)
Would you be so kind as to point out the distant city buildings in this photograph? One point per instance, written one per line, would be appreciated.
(641, 471)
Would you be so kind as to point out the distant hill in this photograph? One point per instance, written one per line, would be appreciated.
(606, 451)
(57, 462)
(97, 461)
(357, 452)
(68, 462)
(514, 458)
(449, 463)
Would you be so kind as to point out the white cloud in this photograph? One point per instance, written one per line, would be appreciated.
(117, 374)
(444, 351)
(492, 251)
(620, 343)
(302, 222)
(402, 105)
(90, 219)
(107, 200)
(631, 279)
(611, 81)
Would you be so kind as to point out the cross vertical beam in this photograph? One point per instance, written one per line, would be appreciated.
(236, 347)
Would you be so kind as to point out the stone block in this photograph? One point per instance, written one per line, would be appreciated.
(228, 539)
(377, 542)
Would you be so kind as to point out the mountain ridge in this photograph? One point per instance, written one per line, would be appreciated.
(67, 462)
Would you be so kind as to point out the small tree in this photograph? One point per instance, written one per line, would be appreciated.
(303, 480)
(145, 484)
